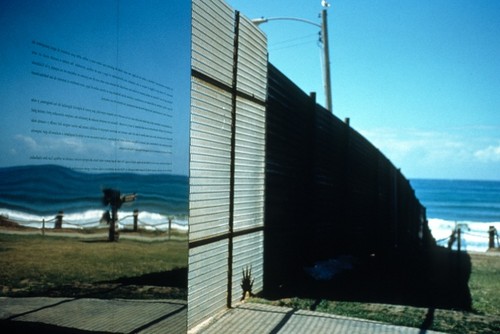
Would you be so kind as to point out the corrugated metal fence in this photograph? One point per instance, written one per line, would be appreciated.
(329, 191)
(263, 151)
(227, 151)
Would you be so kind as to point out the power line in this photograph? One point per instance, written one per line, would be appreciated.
(294, 42)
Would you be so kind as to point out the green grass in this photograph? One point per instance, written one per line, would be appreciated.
(484, 317)
(484, 284)
(448, 321)
(34, 264)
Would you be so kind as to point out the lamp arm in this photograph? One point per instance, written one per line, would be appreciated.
(264, 20)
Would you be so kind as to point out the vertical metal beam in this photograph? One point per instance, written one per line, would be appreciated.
(233, 155)
(395, 206)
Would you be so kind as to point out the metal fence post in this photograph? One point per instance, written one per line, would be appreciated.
(136, 218)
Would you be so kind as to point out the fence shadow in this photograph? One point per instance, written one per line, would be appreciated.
(172, 278)
(437, 278)
(170, 284)
(23, 327)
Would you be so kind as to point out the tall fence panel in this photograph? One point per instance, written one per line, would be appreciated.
(276, 181)
(247, 252)
(331, 172)
(362, 193)
(288, 160)
(329, 191)
(227, 158)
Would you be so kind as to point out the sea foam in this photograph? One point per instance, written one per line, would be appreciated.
(474, 235)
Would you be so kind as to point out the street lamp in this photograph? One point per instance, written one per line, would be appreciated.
(326, 51)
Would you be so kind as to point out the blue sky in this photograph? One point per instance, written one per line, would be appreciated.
(149, 40)
(419, 78)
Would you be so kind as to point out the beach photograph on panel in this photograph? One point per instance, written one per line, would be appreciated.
(94, 164)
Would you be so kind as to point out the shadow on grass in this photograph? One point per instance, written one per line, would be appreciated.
(161, 285)
(174, 278)
(437, 278)
(95, 241)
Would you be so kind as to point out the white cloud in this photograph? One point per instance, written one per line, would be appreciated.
(50, 144)
(489, 154)
(429, 147)
(27, 141)
(449, 153)
(131, 145)
(68, 143)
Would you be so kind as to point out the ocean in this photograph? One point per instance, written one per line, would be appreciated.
(472, 205)
(31, 194)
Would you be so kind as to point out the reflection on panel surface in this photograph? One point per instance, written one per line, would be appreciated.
(227, 166)
(94, 156)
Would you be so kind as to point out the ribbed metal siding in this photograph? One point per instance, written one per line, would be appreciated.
(225, 237)
(210, 156)
(250, 163)
(331, 200)
(249, 173)
(329, 191)
(248, 195)
(288, 199)
(252, 60)
(248, 254)
(207, 281)
(212, 39)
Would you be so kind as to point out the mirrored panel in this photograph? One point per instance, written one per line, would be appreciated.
(94, 163)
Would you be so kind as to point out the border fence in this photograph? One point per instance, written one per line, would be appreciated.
(329, 191)
(276, 181)
(227, 152)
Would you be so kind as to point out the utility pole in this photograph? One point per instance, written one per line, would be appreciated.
(326, 49)
(326, 53)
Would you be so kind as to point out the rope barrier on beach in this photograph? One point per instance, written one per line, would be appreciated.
(60, 222)
(478, 235)
(442, 240)
(77, 224)
(141, 223)
(150, 225)
(474, 234)
(129, 216)
(466, 236)
(35, 221)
